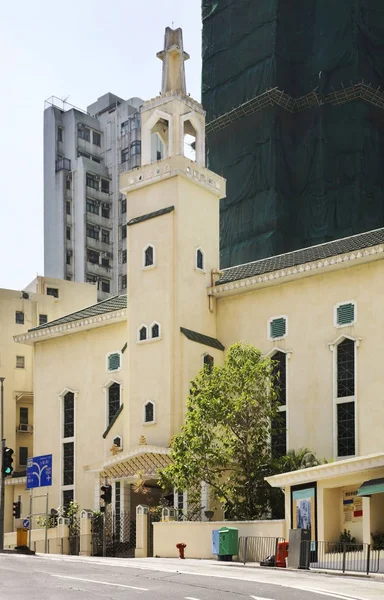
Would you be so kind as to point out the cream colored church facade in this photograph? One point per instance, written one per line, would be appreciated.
(111, 381)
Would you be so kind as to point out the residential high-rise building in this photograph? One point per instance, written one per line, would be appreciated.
(295, 121)
(84, 213)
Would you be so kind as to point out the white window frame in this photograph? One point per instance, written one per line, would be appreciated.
(185, 501)
(336, 324)
(273, 339)
(150, 331)
(107, 361)
(138, 340)
(336, 401)
(154, 413)
(203, 270)
(65, 440)
(106, 387)
(153, 265)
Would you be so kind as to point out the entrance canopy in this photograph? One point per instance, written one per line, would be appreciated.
(373, 486)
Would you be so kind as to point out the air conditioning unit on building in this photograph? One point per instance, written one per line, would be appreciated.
(25, 427)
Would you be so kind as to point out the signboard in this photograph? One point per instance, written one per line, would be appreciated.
(39, 471)
(26, 523)
(352, 507)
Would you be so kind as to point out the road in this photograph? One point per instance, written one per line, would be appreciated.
(46, 577)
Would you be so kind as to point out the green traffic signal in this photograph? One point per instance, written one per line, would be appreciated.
(7, 461)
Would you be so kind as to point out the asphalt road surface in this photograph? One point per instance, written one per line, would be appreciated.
(55, 578)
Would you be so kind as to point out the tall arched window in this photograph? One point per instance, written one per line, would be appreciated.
(345, 398)
(113, 401)
(142, 333)
(155, 330)
(279, 424)
(69, 415)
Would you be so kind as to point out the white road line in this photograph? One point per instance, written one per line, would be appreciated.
(130, 587)
(326, 593)
(190, 598)
(260, 598)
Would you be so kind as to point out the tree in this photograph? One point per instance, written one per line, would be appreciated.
(225, 441)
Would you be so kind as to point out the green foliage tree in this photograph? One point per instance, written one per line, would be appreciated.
(225, 441)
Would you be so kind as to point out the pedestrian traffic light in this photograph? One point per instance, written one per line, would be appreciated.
(107, 493)
(6, 464)
(17, 509)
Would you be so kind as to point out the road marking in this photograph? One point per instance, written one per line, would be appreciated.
(332, 594)
(260, 598)
(131, 587)
(190, 598)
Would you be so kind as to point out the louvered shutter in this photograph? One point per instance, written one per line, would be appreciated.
(278, 328)
(113, 361)
(345, 314)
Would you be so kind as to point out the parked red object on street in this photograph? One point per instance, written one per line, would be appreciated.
(180, 546)
(281, 554)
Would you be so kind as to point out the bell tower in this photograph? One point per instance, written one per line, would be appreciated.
(172, 119)
(172, 248)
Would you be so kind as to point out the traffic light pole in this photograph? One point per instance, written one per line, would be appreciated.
(2, 458)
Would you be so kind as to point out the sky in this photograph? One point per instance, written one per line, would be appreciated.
(78, 50)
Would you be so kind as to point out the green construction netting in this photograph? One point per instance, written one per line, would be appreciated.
(295, 177)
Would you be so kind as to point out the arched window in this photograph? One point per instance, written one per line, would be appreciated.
(142, 333)
(149, 256)
(155, 330)
(69, 415)
(208, 361)
(113, 401)
(279, 424)
(345, 398)
(200, 262)
(149, 412)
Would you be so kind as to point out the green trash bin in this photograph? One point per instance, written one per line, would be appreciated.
(228, 543)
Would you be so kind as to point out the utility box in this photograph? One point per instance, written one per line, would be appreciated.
(215, 541)
(228, 543)
(298, 550)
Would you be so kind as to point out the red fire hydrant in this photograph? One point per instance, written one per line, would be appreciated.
(180, 546)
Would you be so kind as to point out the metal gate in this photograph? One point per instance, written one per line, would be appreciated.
(153, 517)
(113, 535)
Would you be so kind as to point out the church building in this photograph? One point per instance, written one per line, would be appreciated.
(111, 380)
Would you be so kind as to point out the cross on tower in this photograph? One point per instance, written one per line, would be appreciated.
(173, 57)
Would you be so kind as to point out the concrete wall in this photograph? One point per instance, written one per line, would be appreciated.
(198, 535)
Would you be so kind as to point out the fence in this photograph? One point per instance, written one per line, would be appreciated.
(255, 548)
(113, 535)
(340, 556)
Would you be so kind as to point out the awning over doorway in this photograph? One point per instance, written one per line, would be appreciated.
(373, 486)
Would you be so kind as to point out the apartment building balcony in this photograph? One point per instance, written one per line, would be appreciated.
(98, 194)
(63, 164)
(98, 245)
(98, 270)
(98, 220)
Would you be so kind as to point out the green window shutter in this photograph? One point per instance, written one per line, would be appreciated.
(278, 327)
(113, 361)
(345, 314)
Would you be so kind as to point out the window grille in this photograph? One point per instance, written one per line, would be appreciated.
(113, 401)
(149, 412)
(155, 330)
(68, 463)
(280, 376)
(279, 435)
(346, 368)
(346, 429)
(69, 415)
(143, 334)
(20, 362)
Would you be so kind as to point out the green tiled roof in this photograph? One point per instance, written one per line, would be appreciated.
(200, 338)
(300, 257)
(108, 305)
(152, 215)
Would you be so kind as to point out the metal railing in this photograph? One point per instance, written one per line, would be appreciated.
(340, 556)
(256, 549)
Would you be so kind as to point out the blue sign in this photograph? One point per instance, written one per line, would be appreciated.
(39, 471)
(26, 523)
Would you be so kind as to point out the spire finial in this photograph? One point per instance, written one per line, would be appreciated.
(173, 57)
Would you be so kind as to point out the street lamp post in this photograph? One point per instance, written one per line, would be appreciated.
(2, 458)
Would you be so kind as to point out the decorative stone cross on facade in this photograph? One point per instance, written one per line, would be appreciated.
(173, 57)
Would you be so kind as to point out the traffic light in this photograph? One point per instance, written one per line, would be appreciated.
(6, 464)
(17, 509)
(107, 493)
